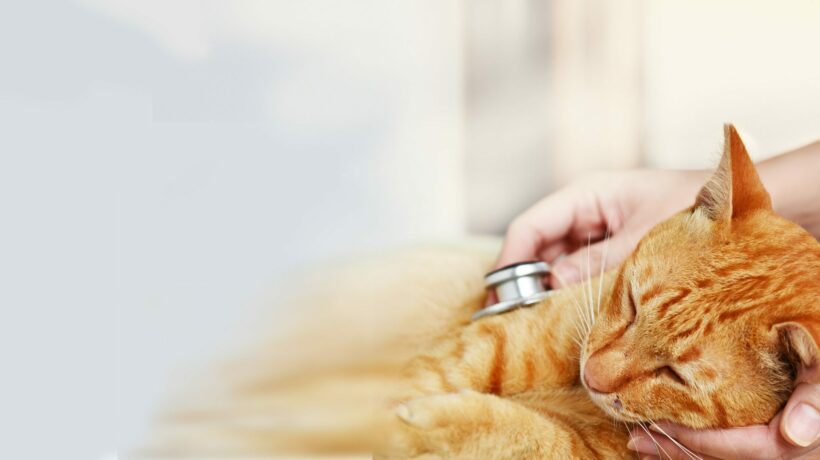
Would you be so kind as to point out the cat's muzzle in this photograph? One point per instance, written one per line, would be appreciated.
(516, 285)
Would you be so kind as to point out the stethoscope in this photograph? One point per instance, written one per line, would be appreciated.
(516, 285)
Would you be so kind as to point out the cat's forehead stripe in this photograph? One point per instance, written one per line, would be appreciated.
(688, 331)
(692, 353)
(664, 307)
(651, 293)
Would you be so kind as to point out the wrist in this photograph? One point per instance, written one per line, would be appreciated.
(791, 180)
(687, 184)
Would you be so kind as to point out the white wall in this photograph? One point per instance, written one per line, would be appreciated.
(507, 109)
(166, 161)
(707, 62)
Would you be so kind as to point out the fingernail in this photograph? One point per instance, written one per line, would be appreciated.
(803, 425)
(566, 274)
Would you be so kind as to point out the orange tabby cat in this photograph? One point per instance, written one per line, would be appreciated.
(709, 323)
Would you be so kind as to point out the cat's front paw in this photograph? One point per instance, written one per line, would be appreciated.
(442, 411)
(444, 425)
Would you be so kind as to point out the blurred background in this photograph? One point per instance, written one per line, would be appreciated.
(166, 161)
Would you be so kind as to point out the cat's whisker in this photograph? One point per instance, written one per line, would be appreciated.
(583, 317)
(583, 305)
(603, 264)
(579, 331)
(629, 433)
(577, 326)
(589, 278)
(657, 444)
(685, 450)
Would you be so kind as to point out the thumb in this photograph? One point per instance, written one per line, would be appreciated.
(801, 417)
(589, 261)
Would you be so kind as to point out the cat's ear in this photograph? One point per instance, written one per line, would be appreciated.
(735, 189)
(800, 348)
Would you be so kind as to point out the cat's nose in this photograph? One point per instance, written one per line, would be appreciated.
(595, 376)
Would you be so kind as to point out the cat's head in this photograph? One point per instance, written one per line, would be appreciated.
(715, 314)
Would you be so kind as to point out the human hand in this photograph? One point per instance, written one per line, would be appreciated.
(624, 204)
(793, 434)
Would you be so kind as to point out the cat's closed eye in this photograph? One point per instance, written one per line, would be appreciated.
(670, 372)
(632, 309)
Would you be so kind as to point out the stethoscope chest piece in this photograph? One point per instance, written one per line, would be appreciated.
(516, 285)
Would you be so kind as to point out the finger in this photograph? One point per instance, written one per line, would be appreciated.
(547, 222)
(800, 424)
(595, 218)
(553, 251)
(492, 298)
(751, 442)
(588, 261)
(582, 233)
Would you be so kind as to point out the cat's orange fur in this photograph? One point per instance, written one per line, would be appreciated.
(733, 287)
(709, 323)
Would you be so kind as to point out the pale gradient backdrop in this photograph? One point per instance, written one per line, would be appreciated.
(165, 162)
